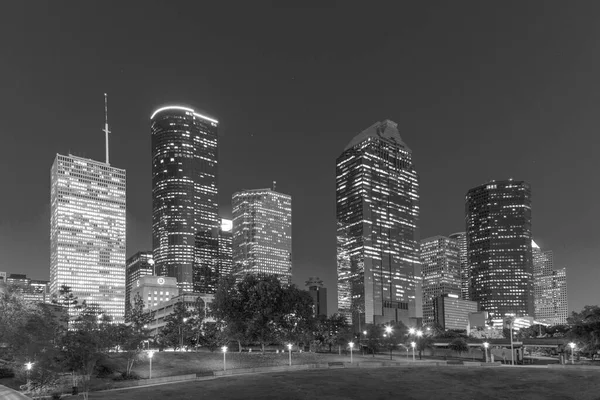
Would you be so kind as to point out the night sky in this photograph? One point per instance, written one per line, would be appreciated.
(480, 91)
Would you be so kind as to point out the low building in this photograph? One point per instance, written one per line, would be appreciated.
(167, 308)
(154, 290)
(452, 312)
(319, 295)
(35, 291)
(138, 265)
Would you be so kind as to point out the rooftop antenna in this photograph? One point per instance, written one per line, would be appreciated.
(274, 185)
(105, 130)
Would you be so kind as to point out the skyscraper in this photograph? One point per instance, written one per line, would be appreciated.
(225, 263)
(318, 292)
(465, 274)
(138, 265)
(262, 233)
(549, 288)
(184, 189)
(498, 220)
(377, 208)
(213, 257)
(87, 233)
(440, 270)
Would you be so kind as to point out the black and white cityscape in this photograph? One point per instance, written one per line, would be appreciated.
(436, 160)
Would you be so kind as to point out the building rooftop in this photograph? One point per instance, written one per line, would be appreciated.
(386, 131)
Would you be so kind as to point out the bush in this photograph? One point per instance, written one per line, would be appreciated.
(6, 372)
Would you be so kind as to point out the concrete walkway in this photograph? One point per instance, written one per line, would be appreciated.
(10, 394)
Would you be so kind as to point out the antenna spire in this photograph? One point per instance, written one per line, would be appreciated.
(105, 130)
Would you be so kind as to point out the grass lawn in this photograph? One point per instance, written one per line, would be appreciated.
(405, 383)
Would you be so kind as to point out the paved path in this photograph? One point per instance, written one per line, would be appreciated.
(10, 394)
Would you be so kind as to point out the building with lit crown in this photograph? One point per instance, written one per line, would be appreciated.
(440, 271)
(154, 290)
(138, 265)
(262, 233)
(549, 288)
(498, 221)
(377, 209)
(465, 274)
(184, 189)
(87, 233)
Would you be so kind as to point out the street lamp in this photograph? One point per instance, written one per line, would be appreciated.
(413, 344)
(224, 349)
(388, 330)
(181, 334)
(351, 346)
(485, 347)
(150, 355)
(572, 346)
(28, 366)
(412, 331)
(360, 343)
(290, 350)
(419, 333)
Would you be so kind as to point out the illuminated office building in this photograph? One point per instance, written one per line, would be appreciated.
(138, 265)
(87, 233)
(184, 190)
(377, 208)
(213, 257)
(498, 220)
(549, 288)
(154, 290)
(262, 233)
(452, 312)
(440, 271)
(465, 274)
(31, 290)
(225, 262)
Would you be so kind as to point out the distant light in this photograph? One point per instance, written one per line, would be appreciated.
(413, 344)
(183, 109)
(29, 365)
(351, 344)
(572, 345)
(289, 346)
(224, 349)
(388, 329)
(455, 296)
(226, 225)
(486, 344)
(151, 354)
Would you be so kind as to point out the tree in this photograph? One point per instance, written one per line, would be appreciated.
(131, 337)
(212, 337)
(585, 330)
(459, 345)
(228, 309)
(297, 320)
(374, 337)
(177, 333)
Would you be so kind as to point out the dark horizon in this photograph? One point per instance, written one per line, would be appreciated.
(480, 91)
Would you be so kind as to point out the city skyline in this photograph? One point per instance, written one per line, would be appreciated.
(483, 107)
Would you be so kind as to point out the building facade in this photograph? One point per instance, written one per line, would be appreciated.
(377, 208)
(87, 233)
(213, 257)
(465, 274)
(318, 292)
(138, 265)
(549, 288)
(452, 312)
(163, 310)
(225, 262)
(31, 290)
(184, 189)
(262, 233)
(498, 220)
(154, 290)
(440, 271)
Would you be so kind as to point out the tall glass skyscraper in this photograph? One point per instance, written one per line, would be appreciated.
(465, 274)
(262, 233)
(377, 208)
(440, 270)
(184, 189)
(498, 220)
(549, 288)
(87, 233)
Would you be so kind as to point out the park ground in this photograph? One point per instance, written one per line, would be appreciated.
(407, 383)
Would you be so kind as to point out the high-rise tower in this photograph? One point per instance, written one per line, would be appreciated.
(465, 274)
(440, 270)
(184, 189)
(377, 208)
(87, 233)
(498, 220)
(549, 288)
(262, 233)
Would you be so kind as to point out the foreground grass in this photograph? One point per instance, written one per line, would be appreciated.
(451, 383)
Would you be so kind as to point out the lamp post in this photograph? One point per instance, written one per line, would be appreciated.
(351, 347)
(413, 344)
(419, 333)
(572, 346)
(28, 366)
(362, 347)
(181, 334)
(290, 351)
(224, 349)
(150, 355)
(388, 330)
(485, 347)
